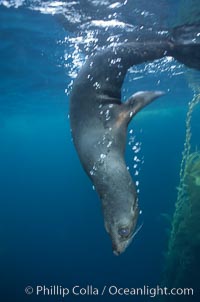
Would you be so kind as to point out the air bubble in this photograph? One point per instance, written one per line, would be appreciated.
(137, 150)
(97, 85)
(107, 115)
(109, 144)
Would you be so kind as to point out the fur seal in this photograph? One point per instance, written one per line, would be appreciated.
(99, 123)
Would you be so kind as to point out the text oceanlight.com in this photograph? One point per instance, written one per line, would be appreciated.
(111, 290)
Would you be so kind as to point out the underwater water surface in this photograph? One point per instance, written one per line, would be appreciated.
(51, 224)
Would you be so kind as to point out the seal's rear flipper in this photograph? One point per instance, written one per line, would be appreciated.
(138, 101)
(186, 44)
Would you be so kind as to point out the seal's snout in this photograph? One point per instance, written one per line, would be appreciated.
(116, 250)
(116, 253)
(120, 247)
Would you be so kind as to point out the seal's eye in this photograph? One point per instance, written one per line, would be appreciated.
(124, 232)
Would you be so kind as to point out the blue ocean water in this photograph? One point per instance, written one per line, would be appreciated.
(51, 225)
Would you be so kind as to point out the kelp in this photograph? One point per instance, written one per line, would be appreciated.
(182, 267)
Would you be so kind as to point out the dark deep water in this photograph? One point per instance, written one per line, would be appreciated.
(51, 226)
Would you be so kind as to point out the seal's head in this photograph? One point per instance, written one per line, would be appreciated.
(121, 229)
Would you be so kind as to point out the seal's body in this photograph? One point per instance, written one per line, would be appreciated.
(99, 123)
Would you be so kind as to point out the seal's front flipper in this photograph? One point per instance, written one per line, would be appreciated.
(138, 101)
